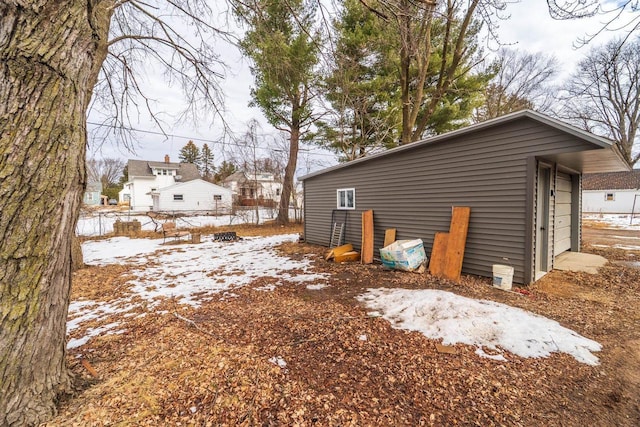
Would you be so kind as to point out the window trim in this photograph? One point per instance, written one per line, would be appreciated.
(178, 197)
(345, 190)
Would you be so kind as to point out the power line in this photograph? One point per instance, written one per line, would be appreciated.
(306, 150)
(156, 133)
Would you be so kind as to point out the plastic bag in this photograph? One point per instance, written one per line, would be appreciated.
(405, 255)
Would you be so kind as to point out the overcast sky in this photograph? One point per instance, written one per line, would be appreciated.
(529, 28)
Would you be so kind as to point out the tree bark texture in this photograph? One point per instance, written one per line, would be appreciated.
(50, 56)
(77, 259)
(290, 170)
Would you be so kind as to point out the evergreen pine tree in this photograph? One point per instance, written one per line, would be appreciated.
(206, 163)
(225, 169)
(190, 153)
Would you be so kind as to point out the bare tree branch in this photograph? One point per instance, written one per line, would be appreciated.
(174, 36)
(522, 81)
(614, 16)
(603, 95)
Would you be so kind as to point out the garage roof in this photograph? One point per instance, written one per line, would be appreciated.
(602, 156)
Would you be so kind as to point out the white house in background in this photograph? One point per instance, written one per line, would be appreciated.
(146, 176)
(194, 195)
(612, 192)
(263, 188)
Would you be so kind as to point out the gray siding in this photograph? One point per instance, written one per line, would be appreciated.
(413, 191)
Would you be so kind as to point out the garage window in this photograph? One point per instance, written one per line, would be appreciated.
(347, 198)
(178, 197)
(609, 197)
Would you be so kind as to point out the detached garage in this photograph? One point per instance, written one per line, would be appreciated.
(520, 174)
(193, 196)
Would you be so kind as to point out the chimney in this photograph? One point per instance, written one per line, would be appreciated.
(166, 158)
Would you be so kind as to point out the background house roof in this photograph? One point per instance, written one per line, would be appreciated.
(612, 181)
(142, 168)
(236, 177)
(242, 177)
(162, 165)
(95, 186)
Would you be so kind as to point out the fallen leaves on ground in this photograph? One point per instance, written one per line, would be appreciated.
(295, 356)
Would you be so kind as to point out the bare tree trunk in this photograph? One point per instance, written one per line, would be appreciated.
(404, 30)
(77, 260)
(50, 55)
(289, 172)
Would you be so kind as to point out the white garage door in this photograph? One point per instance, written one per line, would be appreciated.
(562, 225)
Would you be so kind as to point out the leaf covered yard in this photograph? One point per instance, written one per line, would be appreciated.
(265, 332)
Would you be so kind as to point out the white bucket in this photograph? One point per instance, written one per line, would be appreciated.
(502, 276)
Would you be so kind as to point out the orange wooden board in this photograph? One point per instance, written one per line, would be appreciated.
(389, 236)
(367, 237)
(348, 257)
(338, 251)
(438, 254)
(457, 241)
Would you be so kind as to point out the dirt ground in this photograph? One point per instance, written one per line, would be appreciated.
(210, 366)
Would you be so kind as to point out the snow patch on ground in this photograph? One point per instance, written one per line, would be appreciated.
(317, 287)
(197, 272)
(278, 361)
(618, 246)
(187, 273)
(485, 324)
(193, 273)
(116, 250)
(619, 221)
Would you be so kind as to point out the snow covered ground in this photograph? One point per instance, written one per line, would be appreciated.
(620, 221)
(194, 273)
(612, 223)
(190, 274)
(101, 222)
